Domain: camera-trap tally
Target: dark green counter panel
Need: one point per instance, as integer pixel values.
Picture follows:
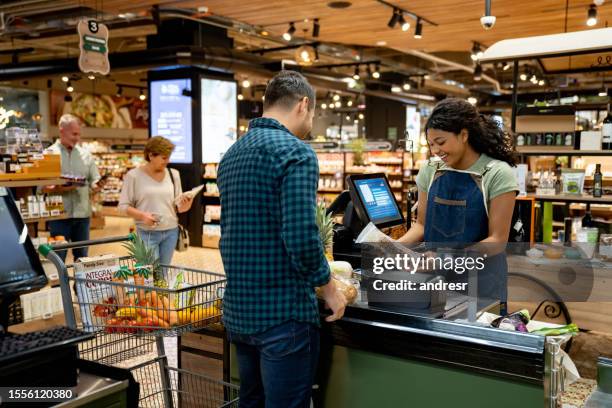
(360, 379)
(363, 379)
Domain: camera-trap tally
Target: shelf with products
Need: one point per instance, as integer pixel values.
(555, 151)
(210, 171)
(113, 162)
(335, 166)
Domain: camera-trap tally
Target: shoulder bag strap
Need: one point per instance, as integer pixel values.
(172, 179)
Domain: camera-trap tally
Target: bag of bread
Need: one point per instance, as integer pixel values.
(345, 286)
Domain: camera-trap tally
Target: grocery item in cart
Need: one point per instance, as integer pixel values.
(94, 298)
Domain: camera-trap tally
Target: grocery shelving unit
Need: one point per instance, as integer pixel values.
(23, 188)
(211, 230)
(336, 165)
(114, 165)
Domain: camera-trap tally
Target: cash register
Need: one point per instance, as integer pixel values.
(369, 198)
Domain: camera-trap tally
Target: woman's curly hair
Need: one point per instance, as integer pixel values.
(484, 134)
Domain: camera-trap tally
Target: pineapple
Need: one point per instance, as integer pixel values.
(326, 229)
(145, 259)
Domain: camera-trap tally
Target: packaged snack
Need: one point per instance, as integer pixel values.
(573, 181)
(516, 321)
(93, 297)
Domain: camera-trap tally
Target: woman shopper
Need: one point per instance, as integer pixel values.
(149, 196)
(466, 192)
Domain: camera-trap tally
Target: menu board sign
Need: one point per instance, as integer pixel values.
(219, 118)
(171, 116)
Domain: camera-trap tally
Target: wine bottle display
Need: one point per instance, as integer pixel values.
(606, 131)
(597, 181)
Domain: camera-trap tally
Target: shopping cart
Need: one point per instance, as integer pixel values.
(130, 317)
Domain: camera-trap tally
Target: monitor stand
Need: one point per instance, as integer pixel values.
(5, 304)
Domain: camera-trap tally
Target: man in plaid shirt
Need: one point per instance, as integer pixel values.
(271, 250)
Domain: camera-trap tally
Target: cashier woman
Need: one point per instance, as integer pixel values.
(466, 191)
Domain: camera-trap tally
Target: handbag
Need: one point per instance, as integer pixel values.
(182, 243)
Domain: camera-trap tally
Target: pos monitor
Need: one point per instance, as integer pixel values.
(374, 201)
(20, 269)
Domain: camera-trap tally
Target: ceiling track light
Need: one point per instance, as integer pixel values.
(142, 95)
(316, 27)
(418, 30)
(603, 91)
(506, 66)
(477, 72)
(288, 35)
(119, 91)
(69, 87)
(592, 15)
(356, 75)
(376, 73)
(394, 18)
(403, 23)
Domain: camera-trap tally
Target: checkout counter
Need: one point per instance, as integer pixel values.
(434, 354)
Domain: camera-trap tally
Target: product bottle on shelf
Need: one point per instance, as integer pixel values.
(587, 220)
(606, 131)
(567, 224)
(597, 181)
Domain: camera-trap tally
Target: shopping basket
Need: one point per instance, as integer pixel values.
(130, 321)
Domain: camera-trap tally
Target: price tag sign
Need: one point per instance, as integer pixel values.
(93, 46)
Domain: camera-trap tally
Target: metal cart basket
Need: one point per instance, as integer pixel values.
(130, 314)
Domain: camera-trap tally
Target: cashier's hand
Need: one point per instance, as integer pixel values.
(184, 203)
(334, 300)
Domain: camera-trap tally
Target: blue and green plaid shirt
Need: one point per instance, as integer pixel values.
(270, 245)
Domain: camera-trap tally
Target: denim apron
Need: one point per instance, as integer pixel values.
(457, 215)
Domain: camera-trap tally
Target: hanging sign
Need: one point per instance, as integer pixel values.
(93, 46)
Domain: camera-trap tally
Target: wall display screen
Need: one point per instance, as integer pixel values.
(219, 118)
(413, 127)
(171, 116)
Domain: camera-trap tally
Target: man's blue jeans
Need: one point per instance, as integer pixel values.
(74, 230)
(277, 367)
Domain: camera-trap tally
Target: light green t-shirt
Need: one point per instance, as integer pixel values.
(499, 179)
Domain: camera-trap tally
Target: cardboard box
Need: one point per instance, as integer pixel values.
(90, 294)
(590, 140)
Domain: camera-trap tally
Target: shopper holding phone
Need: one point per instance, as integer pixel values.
(153, 196)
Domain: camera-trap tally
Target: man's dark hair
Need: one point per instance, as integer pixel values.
(286, 89)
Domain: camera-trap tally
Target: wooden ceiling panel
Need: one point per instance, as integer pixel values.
(365, 22)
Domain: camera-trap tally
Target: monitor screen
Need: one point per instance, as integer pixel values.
(21, 269)
(219, 118)
(170, 107)
(375, 200)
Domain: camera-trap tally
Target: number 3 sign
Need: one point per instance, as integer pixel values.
(93, 44)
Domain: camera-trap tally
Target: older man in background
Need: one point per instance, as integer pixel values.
(76, 161)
